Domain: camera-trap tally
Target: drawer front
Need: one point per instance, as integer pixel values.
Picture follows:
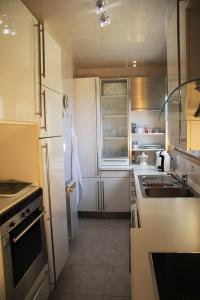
(43, 292)
(115, 174)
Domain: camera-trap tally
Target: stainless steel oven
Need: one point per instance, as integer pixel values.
(23, 245)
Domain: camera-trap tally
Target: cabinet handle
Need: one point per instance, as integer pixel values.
(43, 69)
(50, 210)
(102, 191)
(98, 195)
(38, 25)
(43, 94)
(97, 151)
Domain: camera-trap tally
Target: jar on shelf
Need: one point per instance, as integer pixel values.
(134, 144)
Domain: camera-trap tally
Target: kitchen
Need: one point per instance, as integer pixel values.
(109, 92)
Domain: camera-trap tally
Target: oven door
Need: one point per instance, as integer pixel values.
(24, 254)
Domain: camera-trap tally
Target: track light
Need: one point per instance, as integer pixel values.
(104, 20)
(7, 30)
(100, 6)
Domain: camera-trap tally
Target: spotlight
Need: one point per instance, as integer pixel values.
(100, 6)
(7, 30)
(104, 20)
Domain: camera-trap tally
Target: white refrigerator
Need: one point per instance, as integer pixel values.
(51, 138)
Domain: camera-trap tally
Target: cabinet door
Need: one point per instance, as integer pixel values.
(52, 108)
(55, 205)
(18, 64)
(90, 199)
(51, 67)
(172, 47)
(85, 104)
(115, 194)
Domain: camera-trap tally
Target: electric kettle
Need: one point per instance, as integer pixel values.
(142, 159)
(163, 161)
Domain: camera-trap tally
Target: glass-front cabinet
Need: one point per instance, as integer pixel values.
(114, 122)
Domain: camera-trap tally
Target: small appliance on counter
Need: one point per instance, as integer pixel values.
(163, 161)
(142, 159)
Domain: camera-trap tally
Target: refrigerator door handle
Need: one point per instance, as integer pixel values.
(50, 210)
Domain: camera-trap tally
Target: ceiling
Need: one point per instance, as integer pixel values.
(136, 32)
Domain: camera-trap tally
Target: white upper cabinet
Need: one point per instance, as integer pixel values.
(85, 105)
(51, 70)
(51, 110)
(18, 63)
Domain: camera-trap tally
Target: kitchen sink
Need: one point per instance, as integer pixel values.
(164, 186)
(169, 192)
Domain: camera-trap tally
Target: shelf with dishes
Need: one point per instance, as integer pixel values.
(148, 134)
(147, 149)
(113, 116)
(115, 138)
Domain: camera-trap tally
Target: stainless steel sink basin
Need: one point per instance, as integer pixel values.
(169, 192)
(164, 186)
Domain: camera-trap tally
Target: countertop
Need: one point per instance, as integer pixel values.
(167, 225)
(8, 202)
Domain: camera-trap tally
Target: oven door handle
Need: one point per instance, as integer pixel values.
(18, 237)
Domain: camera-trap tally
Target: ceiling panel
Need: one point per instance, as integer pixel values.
(136, 32)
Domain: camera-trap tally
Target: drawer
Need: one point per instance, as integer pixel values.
(113, 174)
(43, 292)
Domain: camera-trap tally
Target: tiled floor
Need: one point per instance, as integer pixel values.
(98, 265)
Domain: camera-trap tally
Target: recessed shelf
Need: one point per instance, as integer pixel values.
(115, 138)
(114, 116)
(147, 134)
(147, 149)
(114, 96)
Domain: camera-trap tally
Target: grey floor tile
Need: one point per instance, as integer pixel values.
(121, 224)
(117, 282)
(90, 237)
(119, 256)
(120, 237)
(95, 223)
(78, 279)
(94, 256)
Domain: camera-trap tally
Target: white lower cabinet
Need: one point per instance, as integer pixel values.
(90, 198)
(115, 194)
(105, 194)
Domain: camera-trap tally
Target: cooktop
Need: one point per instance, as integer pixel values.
(12, 187)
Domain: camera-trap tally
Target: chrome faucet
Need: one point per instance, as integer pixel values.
(184, 179)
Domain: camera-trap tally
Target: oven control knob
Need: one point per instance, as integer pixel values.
(23, 215)
(28, 211)
(12, 224)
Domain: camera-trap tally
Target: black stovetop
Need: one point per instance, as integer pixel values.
(12, 187)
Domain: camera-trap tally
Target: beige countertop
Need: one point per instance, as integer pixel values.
(8, 202)
(167, 225)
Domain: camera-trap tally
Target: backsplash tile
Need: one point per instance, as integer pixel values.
(184, 166)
